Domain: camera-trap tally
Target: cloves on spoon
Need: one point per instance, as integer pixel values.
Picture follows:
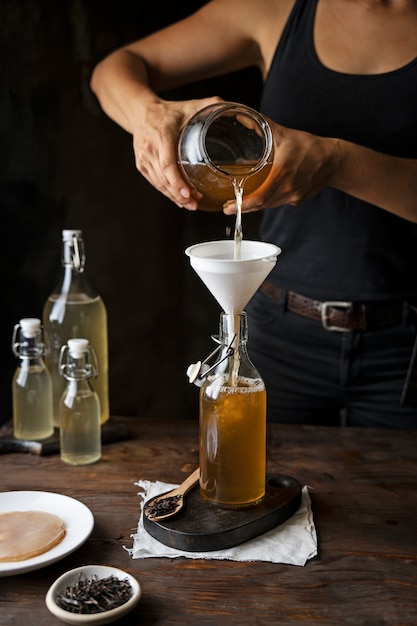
(169, 504)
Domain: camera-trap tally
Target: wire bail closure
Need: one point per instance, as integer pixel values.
(197, 372)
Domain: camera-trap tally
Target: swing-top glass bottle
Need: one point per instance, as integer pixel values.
(74, 309)
(80, 429)
(32, 383)
(232, 422)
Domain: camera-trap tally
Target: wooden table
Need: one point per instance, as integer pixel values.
(364, 499)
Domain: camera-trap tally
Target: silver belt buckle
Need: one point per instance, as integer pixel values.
(336, 304)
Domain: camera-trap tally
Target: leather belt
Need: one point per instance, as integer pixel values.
(339, 315)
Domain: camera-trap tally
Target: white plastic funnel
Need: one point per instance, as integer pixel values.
(233, 282)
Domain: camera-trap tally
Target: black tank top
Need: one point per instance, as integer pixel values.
(336, 247)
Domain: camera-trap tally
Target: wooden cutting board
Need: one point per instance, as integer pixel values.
(202, 527)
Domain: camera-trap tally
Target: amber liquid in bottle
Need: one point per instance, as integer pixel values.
(232, 459)
(233, 426)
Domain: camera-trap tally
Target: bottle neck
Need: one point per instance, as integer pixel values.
(73, 254)
(78, 365)
(31, 348)
(30, 352)
(78, 373)
(77, 369)
(233, 338)
(28, 347)
(75, 386)
(233, 329)
(74, 281)
(73, 278)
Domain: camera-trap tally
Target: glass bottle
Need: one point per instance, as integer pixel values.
(32, 383)
(80, 429)
(225, 146)
(233, 423)
(74, 309)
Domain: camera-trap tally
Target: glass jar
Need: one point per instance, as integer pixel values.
(221, 143)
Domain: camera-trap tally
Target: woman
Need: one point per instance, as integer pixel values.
(332, 329)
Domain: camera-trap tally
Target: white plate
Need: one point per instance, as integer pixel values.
(77, 518)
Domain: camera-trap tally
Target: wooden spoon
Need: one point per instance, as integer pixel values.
(170, 503)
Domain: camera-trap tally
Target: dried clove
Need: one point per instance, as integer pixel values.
(94, 595)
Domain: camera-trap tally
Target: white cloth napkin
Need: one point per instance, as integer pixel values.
(293, 542)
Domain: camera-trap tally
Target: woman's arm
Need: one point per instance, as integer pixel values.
(304, 164)
(223, 36)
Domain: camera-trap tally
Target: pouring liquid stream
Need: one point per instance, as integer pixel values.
(232, 395)
(238, 173)
(238, 185)
(238, 188)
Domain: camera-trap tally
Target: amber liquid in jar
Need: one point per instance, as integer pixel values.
(217, 187)
(232, 444)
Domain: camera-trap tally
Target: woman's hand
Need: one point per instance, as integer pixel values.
(155, 140)
(303, 165)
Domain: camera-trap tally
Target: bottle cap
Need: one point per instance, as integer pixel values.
(68, 234)
(30, 326)
(77, 347)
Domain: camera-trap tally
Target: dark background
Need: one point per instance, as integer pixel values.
(64, 164)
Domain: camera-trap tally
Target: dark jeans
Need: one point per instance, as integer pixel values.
(313, 375)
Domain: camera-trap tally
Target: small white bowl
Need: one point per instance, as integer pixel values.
(72, 577)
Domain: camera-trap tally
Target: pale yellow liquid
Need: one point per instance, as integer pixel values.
(232, 445)
(83, 318)
(217, 188)
(32, 406)
(238, 236)
(80, 430)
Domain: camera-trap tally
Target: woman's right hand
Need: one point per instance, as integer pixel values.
(155, 140)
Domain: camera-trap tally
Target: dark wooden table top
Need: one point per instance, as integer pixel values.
(364, 499)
